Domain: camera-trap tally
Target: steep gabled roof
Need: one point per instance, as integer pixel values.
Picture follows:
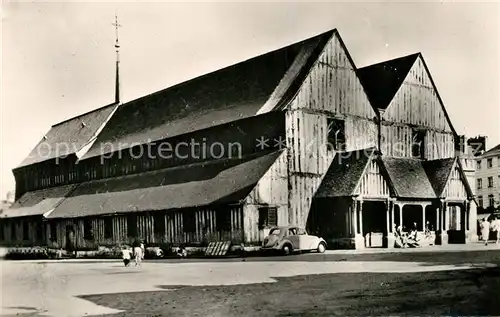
(438, 172)
(408, 178)
(214, 182)
(344, 173)
(70, 136)
(223, 96)
(382, 81)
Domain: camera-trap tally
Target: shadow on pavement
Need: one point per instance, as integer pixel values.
(465, 293)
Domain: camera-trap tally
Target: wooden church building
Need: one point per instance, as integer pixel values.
(297, 136)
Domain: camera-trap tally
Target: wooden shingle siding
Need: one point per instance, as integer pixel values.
(22, 238)
(372, 183)
(455, 187)
(417, 102)
(333, 86)
(396, 142)
(174, 231)
(272, 188)
(332, 89)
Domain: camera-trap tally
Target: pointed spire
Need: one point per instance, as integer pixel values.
(117, 47)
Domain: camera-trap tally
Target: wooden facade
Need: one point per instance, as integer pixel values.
(455, 189)
(332, 89)
(233, 140)
(417, 106)
(373, 184)
(194, 226)
(270, 191)
(321, 114)
(22, 231)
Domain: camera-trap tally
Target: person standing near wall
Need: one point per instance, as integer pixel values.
(137, 253)
(485, 231)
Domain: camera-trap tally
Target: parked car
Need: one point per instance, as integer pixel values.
(291, 239)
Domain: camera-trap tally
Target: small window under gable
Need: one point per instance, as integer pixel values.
(418, 143)
(489, 163)
(336, 134)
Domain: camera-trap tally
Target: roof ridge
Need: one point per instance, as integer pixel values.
(83, 114)
(391, 60)
(185, 82)
(382, 81)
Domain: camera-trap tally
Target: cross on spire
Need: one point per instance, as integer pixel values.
(116, 25)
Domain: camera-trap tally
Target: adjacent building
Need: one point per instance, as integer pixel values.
(297, 136)
(488, 179)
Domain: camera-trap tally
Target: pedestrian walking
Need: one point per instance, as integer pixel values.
(126, 255)
(485, 230)
(138, 254)
(143, 249)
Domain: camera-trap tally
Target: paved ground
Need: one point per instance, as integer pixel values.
(336, 283)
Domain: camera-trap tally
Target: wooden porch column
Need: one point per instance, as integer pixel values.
(467, 215)
(446, 217)
(388, 215)
(463, 217)
(438, 219)
(354, 217)
(361, 217)
(401, 214)
(392, 216)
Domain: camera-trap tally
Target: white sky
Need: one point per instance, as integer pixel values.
(58, 58)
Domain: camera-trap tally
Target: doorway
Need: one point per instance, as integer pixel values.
(374, 223)
(70, 239)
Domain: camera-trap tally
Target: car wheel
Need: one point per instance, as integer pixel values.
(321, 247)
(287, 249)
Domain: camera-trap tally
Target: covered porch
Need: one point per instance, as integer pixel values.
(353, 207)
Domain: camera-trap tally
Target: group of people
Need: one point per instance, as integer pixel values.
(409, 239)
(137, 251)
(487, 226)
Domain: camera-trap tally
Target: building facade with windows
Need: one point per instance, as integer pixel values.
(488, 179)
(298, 136)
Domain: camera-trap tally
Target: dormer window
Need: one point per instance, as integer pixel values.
(336, 134)
(418, 144)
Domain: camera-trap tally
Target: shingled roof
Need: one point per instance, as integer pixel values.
(344, 173)
(195, 185)
(223, 96)
(70, 136)
(381, 81)
(408, 178)
(493, 151)
(438, 172)
(37, 203)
